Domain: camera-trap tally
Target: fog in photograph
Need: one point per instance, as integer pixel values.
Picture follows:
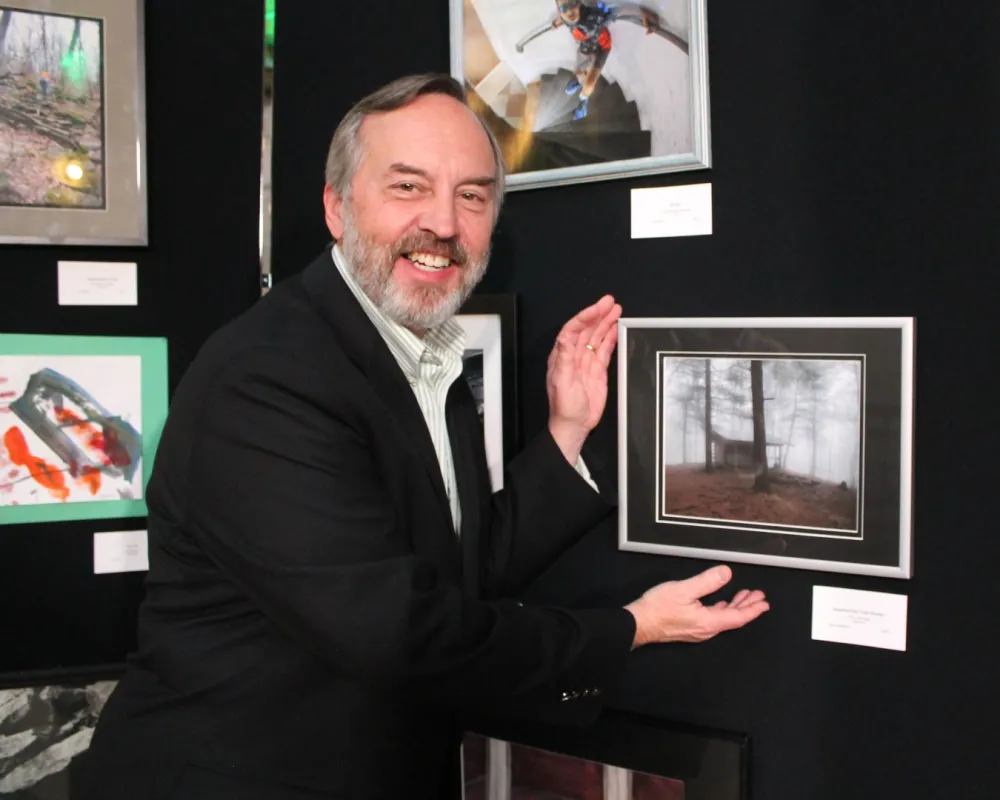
(774, 441)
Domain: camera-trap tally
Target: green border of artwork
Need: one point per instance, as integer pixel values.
(153, 354)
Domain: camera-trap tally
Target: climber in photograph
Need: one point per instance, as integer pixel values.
(588, 24)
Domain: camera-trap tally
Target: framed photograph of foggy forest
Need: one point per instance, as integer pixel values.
(72, 122)
(779, 441)
(490, 368)
(581, 90)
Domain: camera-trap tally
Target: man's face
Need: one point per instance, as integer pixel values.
(569, 11)
(416, 226)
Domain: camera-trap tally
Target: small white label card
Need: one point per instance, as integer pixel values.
(852, 616)
(98, 283)
(672, 211)
(121, 551)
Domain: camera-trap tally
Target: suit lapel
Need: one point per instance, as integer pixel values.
(362, 344)
(389, 382)
(469, 453)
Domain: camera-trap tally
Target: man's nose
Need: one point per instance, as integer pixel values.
(440, 217)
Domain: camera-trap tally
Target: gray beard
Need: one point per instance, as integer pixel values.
(371, 265)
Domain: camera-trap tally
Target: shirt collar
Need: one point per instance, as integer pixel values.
(446, 342)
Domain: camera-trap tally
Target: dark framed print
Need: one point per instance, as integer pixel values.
(623, 756)
(779, 441)
(490, 323)
(587, 90)
(72, 119)
(44, 729)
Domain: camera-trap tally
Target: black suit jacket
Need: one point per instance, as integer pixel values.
(312, 626)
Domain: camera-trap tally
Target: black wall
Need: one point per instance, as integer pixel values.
(855, 149)
(203, 101)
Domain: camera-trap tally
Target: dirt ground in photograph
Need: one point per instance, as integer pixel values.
(728, 494)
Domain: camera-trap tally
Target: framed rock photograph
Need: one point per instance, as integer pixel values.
(779, 441)
(587, 90)
(490, 323)
(623, 756)
(72, 122)
(44, 730)
(80, 419)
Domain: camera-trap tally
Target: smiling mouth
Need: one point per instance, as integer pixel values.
(428, 262)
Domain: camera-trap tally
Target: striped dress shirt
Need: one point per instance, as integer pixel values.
(431, 364)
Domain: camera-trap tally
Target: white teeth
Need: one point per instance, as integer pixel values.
(430, 261)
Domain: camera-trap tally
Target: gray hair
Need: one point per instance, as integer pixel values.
(346, 149)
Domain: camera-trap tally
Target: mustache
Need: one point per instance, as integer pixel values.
(429, 243)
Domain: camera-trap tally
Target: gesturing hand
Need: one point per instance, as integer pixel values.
(577, 375)
(673, 611)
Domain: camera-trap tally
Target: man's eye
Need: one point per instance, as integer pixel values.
(407, 187)
(473, 197)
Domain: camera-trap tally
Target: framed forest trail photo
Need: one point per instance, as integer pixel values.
(587, 90)
(778, 441)
(72, 122)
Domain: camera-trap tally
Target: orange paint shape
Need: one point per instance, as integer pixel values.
(44, 473)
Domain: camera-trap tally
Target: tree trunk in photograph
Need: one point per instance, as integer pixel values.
(791, 426)
(708, 415)
(684, 429)
(4, 25)
(815, 399)
(760, 484)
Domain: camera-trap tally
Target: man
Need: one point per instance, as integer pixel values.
(328, 567)
(589, 25)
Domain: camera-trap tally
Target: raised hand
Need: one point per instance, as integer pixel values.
(673, 611)
(577, 376)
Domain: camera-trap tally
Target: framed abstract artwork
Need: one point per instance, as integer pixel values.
(80, 418)
(587, 90)
(72, 122)
(623, 756)
(780, 441)
(490, 323)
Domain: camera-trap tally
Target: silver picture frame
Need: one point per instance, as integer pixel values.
(519, 71)
(781, 441)
(98, 189)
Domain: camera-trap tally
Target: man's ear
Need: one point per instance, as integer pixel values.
(334, 216)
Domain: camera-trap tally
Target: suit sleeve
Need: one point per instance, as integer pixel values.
(546, 505)
(286, 498)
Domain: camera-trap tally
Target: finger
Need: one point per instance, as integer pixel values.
(704, 583)
(604, 324)
(751, 597)
(563, 357)
(608, 346)
(728, 619)
(721, 604)
(587, 316)
(739, 597)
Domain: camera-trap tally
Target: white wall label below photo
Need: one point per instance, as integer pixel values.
(98, 283)
(852, 616)
(120, 551)
(672, 211)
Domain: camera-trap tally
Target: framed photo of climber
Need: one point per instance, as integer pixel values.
(72, 122)
(778, 441)
(587, 90)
